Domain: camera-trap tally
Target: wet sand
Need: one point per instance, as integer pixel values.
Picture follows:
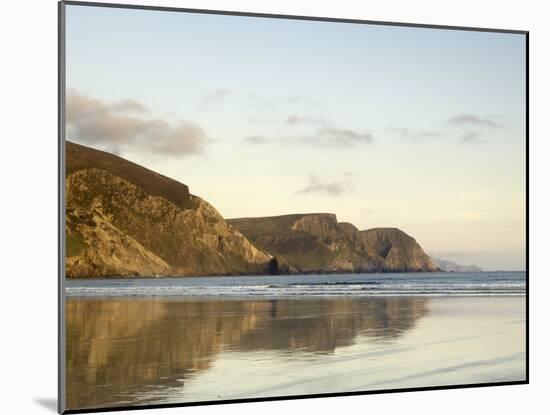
(132, 351)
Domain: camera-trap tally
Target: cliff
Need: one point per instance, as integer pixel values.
(450, 266)
(125, 220)
(394, 250)
(318, 243)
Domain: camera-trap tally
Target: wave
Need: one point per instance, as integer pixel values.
(480, 284)
(293, 291)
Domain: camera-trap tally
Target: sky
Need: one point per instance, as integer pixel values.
(385, 126)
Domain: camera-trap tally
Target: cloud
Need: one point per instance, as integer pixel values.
(469, 119)
(293, 120)
(129, 105)
(117, 127)
(408, 133)
(328, 187)
(341, 137)
(471, 125)
(472, 138)
(323, 134)
(323, 137)
(213, 97)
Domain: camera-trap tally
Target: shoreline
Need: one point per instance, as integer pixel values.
(286, 298)
(164, 277)
(259, 347)
(301, 286)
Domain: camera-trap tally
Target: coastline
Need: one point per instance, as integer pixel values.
(299, 286)
(256, 274)
(250, 274)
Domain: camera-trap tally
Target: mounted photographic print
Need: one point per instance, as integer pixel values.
(258, 207)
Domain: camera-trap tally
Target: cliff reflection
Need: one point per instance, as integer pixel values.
(127, 351)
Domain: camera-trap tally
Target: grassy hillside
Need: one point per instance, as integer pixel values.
(79, 157)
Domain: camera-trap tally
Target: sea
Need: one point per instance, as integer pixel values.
(290, 286)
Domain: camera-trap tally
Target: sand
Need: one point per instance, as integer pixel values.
(136, 351)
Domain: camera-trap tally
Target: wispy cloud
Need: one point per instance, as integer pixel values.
(412, 134)
(293, 120)
(470, 119)
(471, 125)
(323, 137)
(123, 125)
(342, 137)
(472, 138)
(328, 187)
(323, 134)
(129, 105)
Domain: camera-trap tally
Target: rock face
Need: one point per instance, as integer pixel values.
(394, 250)
(125, 220)
(318, 243)
(450, 266)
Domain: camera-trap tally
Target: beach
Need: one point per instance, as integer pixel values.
(154, 350)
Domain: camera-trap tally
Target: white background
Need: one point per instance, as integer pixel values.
(28, 163)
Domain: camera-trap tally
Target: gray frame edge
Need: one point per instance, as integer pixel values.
(61, 347)
(289, 16)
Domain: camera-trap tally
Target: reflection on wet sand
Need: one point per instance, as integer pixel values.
(132, 351)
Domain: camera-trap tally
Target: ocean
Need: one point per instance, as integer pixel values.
(327, 285)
